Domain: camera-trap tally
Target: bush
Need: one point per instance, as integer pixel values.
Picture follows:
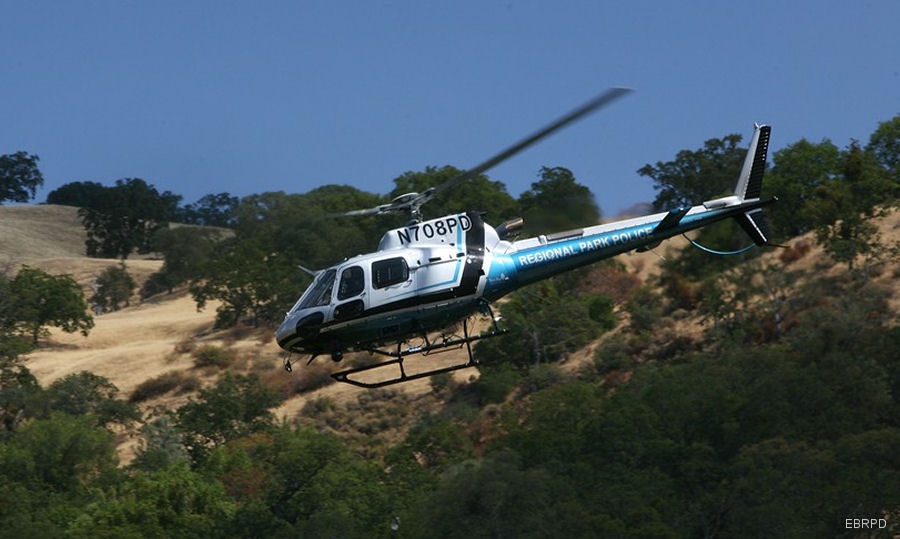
(612, 355)
(113, 287)
(213, 356)
(162, 384)
(441, 382)
(307, 378)
(157, 283)
(600, 310)
(495, 384)
(540, 377)
(645, 307)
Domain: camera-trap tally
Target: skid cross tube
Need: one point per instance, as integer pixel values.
(400, 355)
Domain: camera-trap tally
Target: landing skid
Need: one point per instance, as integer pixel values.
(428, 348)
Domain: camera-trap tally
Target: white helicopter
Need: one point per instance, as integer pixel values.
(428, 276)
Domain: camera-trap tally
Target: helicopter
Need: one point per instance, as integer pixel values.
(435, 274)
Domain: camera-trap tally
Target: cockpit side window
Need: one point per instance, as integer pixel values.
(319, 292)
(388, 272)
(352, 283)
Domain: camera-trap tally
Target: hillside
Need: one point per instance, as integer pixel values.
(157, 336)
(153, 337)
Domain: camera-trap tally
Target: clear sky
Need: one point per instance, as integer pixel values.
(246, 97)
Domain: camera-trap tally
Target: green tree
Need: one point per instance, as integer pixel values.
(19, 390)
(557, 202)
(696, 176)
(842, 208)
(251, 282)
(255, 274)
(186, 251)
(479, 193)
(125, 217)
(19, 177)
(797, 171)
(62, 453)
(160, 445)
(87, 393)
(12, 342)
(113, 287)
(79, 194)
(212, 210)
(884, 146)
(235, 407)
(174, 502)
(545, 324)
(496, 497)
(43, 300)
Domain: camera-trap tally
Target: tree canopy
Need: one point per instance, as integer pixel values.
(19, 177)
(558, 202)
(696, 175)
(123, 218)
(39, 299)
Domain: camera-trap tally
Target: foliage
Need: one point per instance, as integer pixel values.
(254, 275)
(19, 390)
(252, 283)
(60, 453)
(160, 445)
(645, 308)
(798, 170)
(498, 497)
(236, 406)
(612, 355)
(213, 356)
(544, 325)
(165, 503)
(557, 202)
(123, 218)
(86, 393)
(41, 300)
(186, 251)
(162, 384)
(749, 303)
(884, 147)
(211, 210)
(479, 193)
(79, 194)
(19, 177)
(698, 175)
(841, 208)
(113, 287)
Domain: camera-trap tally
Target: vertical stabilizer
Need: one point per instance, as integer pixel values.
(749, 184)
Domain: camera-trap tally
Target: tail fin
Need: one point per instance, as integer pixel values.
(749, 183)
(755, 225)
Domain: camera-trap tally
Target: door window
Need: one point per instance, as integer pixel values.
(352, 283)
(389, 272)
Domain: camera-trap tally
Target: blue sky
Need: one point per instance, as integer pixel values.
(246, 97)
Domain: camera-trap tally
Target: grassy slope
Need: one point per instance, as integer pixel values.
(148, 339)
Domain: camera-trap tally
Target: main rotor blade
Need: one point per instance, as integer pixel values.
(604, 99)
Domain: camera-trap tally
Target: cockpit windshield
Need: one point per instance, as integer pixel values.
(319, 292)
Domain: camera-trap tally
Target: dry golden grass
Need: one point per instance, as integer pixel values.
(44, 231)
(146, 340)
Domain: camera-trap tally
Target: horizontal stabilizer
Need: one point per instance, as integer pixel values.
(672, 219)
(755, 225)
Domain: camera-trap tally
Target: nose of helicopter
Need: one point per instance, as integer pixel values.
(297, 327)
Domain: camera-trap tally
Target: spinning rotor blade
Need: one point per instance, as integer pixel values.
(368, 211)
(412, 201)
(604, 99)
